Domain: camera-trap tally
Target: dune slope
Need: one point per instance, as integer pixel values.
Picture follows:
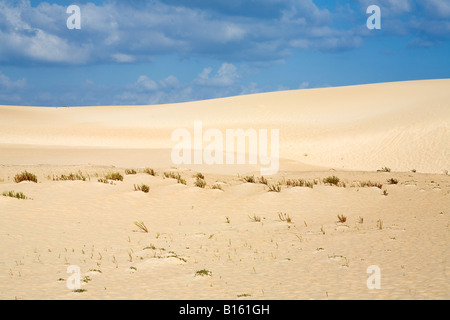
(403, 125)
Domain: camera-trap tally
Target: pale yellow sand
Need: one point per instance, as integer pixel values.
(348, 132)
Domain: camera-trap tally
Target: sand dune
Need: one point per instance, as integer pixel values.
(402, 125)
(236, 234)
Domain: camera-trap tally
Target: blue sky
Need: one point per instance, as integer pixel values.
(153, 52)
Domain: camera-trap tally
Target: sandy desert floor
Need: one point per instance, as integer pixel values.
(234, 234)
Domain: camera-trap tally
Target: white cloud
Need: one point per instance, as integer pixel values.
(146, 84)
(11, 91)
(123, 58)
(437, 8)
(225, 76)
(304, 85)
(7, 83)
(128, 32)
(169, 82)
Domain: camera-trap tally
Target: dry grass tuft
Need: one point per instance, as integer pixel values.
(25, 176)
(199, 176)
(274, 188)
(380, 224)
(370, 184)
(249, 179)
(150, 171)
(177, 176)
(300, 183)
(116, 176)
(392, 181)
(201, 183)
(342, 218)
(142, 187)
(332, 180)
(255, 218)
(71, 177)
(13, 194)
(217, 186)
(141, 226)
(262, 180)
(284, 217)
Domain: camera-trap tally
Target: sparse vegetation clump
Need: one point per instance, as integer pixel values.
(79, 290)
(71, 177)
(380, 224)
(141, 226)
(385, 169)
(150, 171)
(385, 193)
(217, 186)
(199, 176)
(177, 176)
(262, 180)
(130, 171)
(203, 273)
(106, 181)
(199, 182)
(284, 217)
(342, 218)
(13, 194)
(142, 187)
(249, 179)
(332, 180)
(255, 218)
(274, 188)
(392, 181)
(116, 176)
(25, 176)
(300, 183)
(370, 184)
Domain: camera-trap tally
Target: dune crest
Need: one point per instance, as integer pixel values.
(402, 125)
